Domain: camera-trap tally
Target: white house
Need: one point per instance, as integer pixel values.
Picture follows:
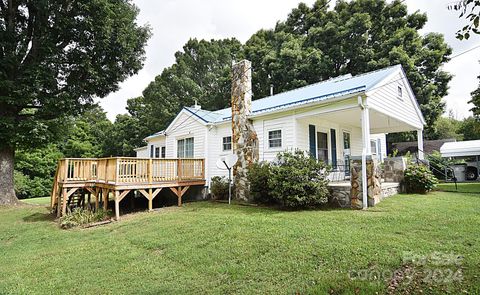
(333, 120)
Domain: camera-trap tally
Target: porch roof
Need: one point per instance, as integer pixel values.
(324, 90)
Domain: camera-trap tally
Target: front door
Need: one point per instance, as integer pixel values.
(346, 152)
(322, 147)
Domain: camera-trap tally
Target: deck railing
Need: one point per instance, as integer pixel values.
(123, 170)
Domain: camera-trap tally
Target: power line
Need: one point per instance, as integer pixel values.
(466, 51)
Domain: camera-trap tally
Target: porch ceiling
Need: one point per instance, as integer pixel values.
(379, 122)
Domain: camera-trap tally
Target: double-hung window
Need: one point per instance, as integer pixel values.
(163, 152)
(275, 139)
(227, 143)
(185, 148)
(157, 152)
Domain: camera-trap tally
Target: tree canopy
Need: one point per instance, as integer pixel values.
(201, 73)
(313, 44)
(55, 57)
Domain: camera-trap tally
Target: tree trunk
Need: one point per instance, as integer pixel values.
(7, 191)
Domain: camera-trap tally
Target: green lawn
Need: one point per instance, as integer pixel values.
(465, 187)
(37, 201)
(216, 248)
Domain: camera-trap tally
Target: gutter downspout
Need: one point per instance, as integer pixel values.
(365, 114)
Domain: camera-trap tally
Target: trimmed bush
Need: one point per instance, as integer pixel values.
(219, 187)
(298, 181)
(419, 179)
(79, 217)
(258, 175)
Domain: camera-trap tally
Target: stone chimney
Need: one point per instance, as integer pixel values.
(244, 137)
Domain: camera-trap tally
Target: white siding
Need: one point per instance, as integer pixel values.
(386, 100)
(215, 149)
(142, 152)
(186, 126)
(286, 124)
(155, 142)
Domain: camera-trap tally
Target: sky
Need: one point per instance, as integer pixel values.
(173, 22)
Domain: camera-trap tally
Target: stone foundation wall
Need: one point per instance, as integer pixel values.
(339, 196)
(393, 169)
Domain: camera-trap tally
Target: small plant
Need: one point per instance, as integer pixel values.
(258, 175)
(298, 181)
(419, 179)
(79, 217)
(219, 187)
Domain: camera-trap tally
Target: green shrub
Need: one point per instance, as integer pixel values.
(258, 175)
(298, 181)
(419, 179)
(219, 187)
(79, 217)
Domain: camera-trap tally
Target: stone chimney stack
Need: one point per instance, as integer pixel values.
(244, 137)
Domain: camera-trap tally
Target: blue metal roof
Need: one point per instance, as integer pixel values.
(335, 87)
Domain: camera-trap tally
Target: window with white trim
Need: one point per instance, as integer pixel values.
(157, 152)
(227, 143)
(163, 153)
(185, 148)
(275, 139)
(152, 149)
(373, 146)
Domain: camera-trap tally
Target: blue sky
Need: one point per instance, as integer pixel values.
(174, 22)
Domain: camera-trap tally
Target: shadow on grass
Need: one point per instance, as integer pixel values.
(39, 217)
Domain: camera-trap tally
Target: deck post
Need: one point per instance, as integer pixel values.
(150, 171)
(105, 198)
(117, 205)
(150, 200)
(179, 196)
(64, 201)
(179, 169)
(96, 199)
(59, 198)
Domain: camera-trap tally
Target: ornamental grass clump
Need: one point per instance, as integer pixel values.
(419, 179)
(82, 217)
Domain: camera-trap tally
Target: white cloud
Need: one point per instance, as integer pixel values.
(174, 22)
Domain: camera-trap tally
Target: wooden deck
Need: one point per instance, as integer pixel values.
(119, 176)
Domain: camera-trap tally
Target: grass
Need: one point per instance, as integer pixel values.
(216, 248)
(37, 201)
(465, 187)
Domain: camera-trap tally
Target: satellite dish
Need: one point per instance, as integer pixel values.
(227, 162)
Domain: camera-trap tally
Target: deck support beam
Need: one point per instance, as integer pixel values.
(179, 192)
(105, 193)
(117, 205)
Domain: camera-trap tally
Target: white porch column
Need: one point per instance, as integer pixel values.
(420, 144)
(366, 149)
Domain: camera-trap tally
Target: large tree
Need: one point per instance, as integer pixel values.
(55, 56)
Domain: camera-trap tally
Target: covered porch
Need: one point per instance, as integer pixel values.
(352, 130)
